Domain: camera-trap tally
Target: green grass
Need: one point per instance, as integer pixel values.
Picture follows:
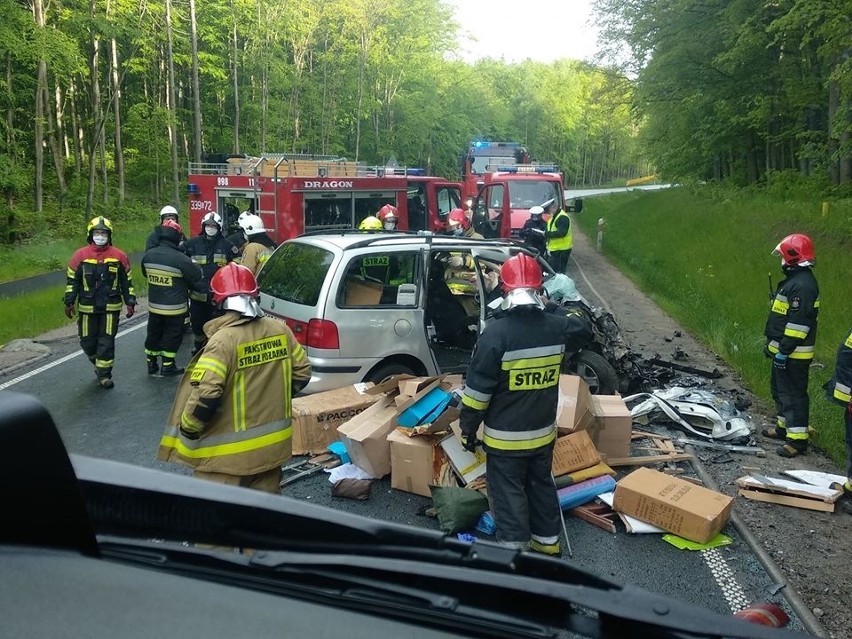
(43, 254)
(703, 254)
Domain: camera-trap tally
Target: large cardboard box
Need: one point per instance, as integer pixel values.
(612, 426)
(574, 452)
(365, 437)
(678, 506)
(316, 417)
(574, 410)
(362, 293)
(415, 462)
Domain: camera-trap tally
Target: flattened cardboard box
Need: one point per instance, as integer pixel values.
(574, 410)
(316, 417)
(675, 505)
(415, 462)
(574, 452)
(788, 493)
(365, 437)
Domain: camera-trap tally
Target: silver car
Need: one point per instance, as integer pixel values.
(369, 305)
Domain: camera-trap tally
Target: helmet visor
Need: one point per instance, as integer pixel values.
(521, 297)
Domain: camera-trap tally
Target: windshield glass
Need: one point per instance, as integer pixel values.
(302, 284)
(524, 194)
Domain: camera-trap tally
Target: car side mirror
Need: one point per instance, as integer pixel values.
(575, 205)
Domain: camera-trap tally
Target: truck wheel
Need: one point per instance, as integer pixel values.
(384, 371)
(595, 370)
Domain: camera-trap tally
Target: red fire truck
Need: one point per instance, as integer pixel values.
(295, 194)
(500, 176)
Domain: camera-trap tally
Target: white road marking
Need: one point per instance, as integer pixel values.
(724, 576)
(62, 360)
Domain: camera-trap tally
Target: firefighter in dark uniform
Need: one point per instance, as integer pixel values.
(172, 279)
(790, 337)
(98, 280)
(512, 386)
(839, 391)
(211, 251)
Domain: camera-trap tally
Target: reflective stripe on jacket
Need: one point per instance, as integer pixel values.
(792, 324)
(245, 372)
(839, 387)
(512, 382)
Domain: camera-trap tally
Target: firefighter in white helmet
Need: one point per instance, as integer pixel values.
(258, 246)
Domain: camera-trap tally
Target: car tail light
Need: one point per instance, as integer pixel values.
(322, 334)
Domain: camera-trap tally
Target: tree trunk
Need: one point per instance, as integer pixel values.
(10, 139)
(97, 123)
(236, 87)
(53, 140)
(38, 129)
(833, 106)
(173, 142)
(197, 143)
(116, 111)
(76, 129)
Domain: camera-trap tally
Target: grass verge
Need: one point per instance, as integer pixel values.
(704, 255)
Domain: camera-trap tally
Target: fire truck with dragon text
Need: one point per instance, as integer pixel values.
(295, 193)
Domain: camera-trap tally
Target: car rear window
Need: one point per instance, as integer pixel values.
(295, 273)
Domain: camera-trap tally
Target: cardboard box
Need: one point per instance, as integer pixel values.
(574, 452)
(316, 417)
(362, 293)
(612, 426)
(410, 387)
(415, 462)
(675, 505)
(365, 437)
(574, 410)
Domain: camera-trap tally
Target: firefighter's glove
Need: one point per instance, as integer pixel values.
(779, 361)
(470, 442)
(69, 311)
(193, 435)
(130, 311)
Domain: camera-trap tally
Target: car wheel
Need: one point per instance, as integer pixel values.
(380, 374)
(595, 370)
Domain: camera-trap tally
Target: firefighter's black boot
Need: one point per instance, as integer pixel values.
(153, 367)
(170, 369)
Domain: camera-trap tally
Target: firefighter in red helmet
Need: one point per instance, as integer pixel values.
(459, 224)
(231, 418)
(790, 337)
(389, 217)
(512, 386)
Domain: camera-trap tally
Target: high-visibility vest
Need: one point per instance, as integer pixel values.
(560, 243)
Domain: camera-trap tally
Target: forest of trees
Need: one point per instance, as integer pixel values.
(106, 102)
(739, 89)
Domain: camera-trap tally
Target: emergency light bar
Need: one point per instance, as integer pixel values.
(528, 168)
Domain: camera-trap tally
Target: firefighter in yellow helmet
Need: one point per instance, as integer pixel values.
(98, 281)
(231, 418)
(370, 223)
